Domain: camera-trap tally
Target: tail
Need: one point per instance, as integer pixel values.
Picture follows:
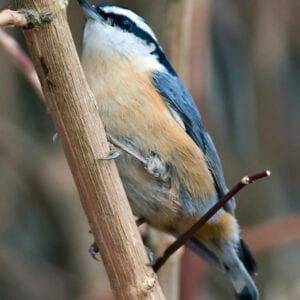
(237, 263)
(240, 269)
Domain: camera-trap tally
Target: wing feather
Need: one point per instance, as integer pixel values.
(178, 99)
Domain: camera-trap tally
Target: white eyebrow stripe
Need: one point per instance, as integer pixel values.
(140, 22)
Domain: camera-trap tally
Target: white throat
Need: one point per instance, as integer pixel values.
(102, 41)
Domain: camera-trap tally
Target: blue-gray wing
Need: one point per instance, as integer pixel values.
(178, 99)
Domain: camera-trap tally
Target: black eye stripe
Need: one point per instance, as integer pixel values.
(101, 13)
(128, 25)
(116, 20)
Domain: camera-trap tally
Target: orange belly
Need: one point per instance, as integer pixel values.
(132, 110)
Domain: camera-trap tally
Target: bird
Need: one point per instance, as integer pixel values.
(168, 163)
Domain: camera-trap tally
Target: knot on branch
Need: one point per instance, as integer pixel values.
(148, 285)
(245, 180)
(34, 19)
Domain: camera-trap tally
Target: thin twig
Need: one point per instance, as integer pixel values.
(21, 60)
(190, 232)
(16, 54)
(12, 18)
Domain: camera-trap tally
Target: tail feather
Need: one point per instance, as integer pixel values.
(247, 259)
(237, 263)
(246, 295)
(241, 280)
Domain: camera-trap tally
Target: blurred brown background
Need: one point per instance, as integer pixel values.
(244, 73)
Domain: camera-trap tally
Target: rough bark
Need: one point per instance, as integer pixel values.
(74, 112)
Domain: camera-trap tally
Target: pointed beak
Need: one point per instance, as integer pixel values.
(89, 10)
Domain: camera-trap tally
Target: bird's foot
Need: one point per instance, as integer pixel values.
(94, 251)
(113, 154)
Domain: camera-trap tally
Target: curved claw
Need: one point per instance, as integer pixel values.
(113, 155)
(54, 137)
(151, 256)
(94, 251)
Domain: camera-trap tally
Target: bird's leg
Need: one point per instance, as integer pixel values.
(113, 154)
(154, 164)
(126, 149)
(151, 256)
(54, 137)
(94, 250)
(158, 167)
(145, 237)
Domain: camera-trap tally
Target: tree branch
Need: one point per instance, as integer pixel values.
(74, 112)
(189, 233)
(20, 60)
(12, 18)
(14, 51)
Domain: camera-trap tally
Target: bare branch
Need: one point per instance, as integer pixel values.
(16, 54)
(20, 60)
(73, 109)
(12, 18)
(189, 233)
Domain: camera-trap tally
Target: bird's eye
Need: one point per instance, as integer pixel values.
(127, 25)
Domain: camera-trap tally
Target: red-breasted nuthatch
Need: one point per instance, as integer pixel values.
(168, 164)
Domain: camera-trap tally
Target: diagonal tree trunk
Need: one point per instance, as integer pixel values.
(74, 112)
